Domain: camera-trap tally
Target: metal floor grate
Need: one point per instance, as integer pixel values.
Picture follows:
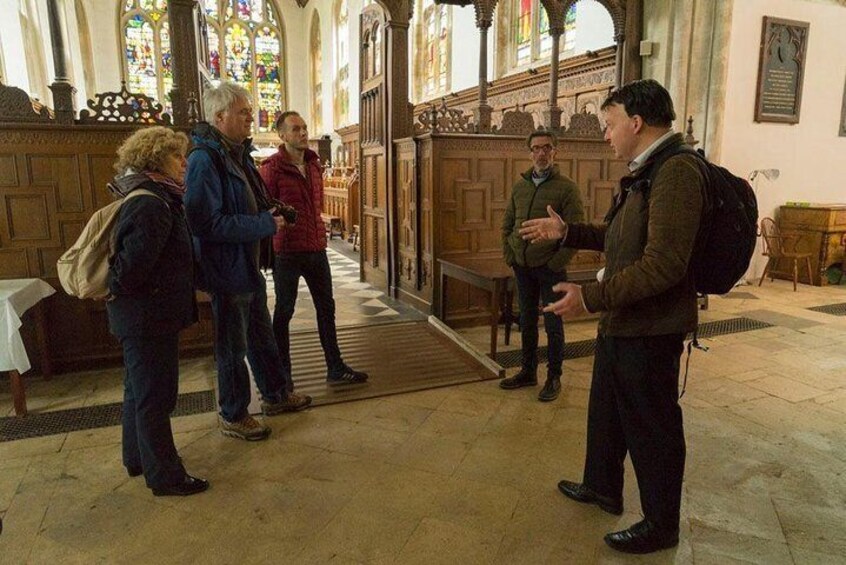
(63, 421)
(586, 348)
(833, 309)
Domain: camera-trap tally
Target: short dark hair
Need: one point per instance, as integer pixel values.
(541, 133)
(280, 120)
(647, 99)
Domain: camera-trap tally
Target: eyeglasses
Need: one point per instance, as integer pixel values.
(542, 148)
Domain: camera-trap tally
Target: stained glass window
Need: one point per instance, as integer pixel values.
(435, 63)
(342, 63)
(530, 40)
(316, 73)
(246, 46)
(146, 44)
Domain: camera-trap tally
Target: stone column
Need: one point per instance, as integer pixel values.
(186, 73)
(63, 90)
(633, 64)
(554, 111)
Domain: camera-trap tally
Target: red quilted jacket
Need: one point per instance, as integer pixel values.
(285, 183)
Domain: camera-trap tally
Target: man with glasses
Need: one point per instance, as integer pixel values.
(539, 267)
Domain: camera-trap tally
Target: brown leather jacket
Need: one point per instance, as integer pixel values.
(647, 288)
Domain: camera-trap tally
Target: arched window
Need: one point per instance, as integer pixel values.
(528, 42)
(316, 74)
(145, 37)
(342, 63)
(246, 46)
(433, 52)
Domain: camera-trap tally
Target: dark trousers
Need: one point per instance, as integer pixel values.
(151, 385)
(634, 408)
(534, 284)
(242, 329)
(314, 268)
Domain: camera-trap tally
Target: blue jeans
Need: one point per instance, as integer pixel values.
(533, 284)
(150, 389)
(243, 329)
(314, 268)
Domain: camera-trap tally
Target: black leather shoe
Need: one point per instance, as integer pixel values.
(550, 390)
(643, 537)
(580, 493)
(134, 471)
(189, 485)
(521, 379)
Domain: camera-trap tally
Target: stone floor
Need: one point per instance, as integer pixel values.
(464, 474)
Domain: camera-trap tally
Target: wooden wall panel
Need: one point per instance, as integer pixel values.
(51, 181)
(465, 185)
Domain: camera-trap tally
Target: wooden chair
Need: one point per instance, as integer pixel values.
(776, 248)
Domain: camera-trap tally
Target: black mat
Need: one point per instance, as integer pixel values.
(585, 348)
(833, 309)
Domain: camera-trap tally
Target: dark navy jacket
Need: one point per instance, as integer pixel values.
(151, 274)
(225, 233)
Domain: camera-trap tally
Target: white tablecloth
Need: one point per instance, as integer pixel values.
(16, 297)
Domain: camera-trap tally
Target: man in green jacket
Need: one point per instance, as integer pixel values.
(647, 305)
(537, 268)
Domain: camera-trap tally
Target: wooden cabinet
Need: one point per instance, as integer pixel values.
(822, 228)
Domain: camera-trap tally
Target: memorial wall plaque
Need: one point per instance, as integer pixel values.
(780, 70)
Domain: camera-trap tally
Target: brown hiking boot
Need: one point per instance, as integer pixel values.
(292, 402)
(247, 428)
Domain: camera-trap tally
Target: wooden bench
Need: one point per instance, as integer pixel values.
(334, 226)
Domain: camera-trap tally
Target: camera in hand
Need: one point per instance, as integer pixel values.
(278, 208)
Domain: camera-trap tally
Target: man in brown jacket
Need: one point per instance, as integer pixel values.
(647, 305)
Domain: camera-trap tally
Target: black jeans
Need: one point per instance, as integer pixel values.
(151, 386)
(634, 408)
(534, 283)
(314, 268)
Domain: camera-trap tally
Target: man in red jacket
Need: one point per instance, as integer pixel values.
(293, 175)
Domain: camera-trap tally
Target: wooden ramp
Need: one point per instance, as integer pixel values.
(400, 357)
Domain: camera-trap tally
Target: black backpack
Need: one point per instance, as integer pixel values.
(728, 229)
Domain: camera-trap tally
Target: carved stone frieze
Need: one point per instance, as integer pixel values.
(555, 12)
(123, 107)
(17, 107)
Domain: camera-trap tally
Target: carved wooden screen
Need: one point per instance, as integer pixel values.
(374, 172)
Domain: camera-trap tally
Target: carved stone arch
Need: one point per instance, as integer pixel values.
(397, 11)
(555, 12)
(616, 8)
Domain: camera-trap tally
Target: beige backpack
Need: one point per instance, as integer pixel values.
(84, 267)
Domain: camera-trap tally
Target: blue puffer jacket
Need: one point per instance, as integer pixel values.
(225, 233)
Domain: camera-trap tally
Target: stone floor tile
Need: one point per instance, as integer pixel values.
(438, 541)
(743, 514)
(815, 528)
(803, 556)
(787, 389)
(431, 453)
(395, 417)
(717, 547)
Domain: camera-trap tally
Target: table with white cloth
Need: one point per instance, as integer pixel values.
(16, 297)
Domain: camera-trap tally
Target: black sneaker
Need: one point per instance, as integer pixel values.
(521, 379)
(550, 389)
(349, 376)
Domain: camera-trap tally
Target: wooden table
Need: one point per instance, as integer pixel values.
(16, 297)
(493, 275)
(488, 273)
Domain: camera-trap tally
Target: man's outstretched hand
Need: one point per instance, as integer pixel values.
(571, 304)
(544, 229)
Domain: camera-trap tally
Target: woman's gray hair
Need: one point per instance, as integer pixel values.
(220, 98)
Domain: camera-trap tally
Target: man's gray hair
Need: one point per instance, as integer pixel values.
(220, 98)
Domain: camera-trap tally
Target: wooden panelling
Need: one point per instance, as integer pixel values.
(51, 181)
(465, 184)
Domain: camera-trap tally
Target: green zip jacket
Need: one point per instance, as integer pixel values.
(647, 288)
(528, 202)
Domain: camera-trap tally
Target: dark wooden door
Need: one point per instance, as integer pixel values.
(375, 202)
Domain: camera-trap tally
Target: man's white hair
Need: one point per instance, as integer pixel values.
(221, 98)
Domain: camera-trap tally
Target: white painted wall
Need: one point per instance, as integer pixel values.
(810, 155)
(104, 26)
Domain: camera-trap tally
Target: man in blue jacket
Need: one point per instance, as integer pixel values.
(226, 206)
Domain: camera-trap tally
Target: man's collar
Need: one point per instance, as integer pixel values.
(639, 161)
